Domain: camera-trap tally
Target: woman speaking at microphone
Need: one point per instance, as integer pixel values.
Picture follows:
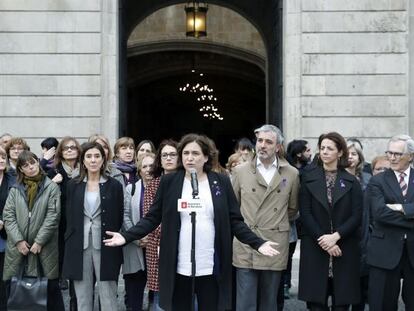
(217, 222)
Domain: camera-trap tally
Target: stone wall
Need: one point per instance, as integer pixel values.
(56, 68)
(346, 69)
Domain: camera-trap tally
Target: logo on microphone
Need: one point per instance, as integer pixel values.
(183, 204)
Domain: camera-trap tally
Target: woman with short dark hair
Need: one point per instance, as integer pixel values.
(330, 202)
(165, 163)
(31, 218)
(145, 146)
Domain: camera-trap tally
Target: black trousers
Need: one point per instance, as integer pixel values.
(54, 295)
(206, 290)
(384, 286)
(324, 307)
(134, 289)
(3, 297)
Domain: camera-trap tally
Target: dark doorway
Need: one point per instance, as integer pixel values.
(157, 108)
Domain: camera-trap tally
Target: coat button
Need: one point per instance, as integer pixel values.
(253, 189)
(103, 224)
(278, 190)
(103, 198)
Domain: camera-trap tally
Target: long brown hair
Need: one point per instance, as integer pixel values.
(157, 169)
(59, 150)
(340, 144)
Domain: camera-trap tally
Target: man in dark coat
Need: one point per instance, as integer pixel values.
(391, 244)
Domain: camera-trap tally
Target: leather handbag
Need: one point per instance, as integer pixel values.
(28, 292)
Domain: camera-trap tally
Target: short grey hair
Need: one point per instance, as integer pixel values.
(273, 129)
(409, 142)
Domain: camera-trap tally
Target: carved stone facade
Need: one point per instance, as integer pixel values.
(346, 65)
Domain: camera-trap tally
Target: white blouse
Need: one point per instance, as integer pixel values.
(205, 232)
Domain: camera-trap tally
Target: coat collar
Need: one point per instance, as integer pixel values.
(277, 178)
(316, 181)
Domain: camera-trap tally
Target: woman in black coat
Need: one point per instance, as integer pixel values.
(65, 163)
(94, 205)
(330, 206)
(213, 285)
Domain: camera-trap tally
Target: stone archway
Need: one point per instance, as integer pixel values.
(267, 18)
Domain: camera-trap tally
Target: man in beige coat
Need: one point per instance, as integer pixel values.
(267, 189)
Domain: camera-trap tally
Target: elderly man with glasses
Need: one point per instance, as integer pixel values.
(391, 244)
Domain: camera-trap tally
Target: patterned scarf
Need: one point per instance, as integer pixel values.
(125, 167)
(32, 185)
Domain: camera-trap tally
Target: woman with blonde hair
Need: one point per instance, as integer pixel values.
(133, 268)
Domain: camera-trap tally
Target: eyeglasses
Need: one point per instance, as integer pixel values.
(396, 155)
(66, 148)
(172, 155)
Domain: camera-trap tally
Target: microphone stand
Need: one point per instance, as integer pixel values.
(193, 260)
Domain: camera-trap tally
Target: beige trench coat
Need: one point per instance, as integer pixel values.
(267, 210)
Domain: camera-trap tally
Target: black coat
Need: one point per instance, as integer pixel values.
(227, 222)
(317, 217)
(112, 198)
(51, 173)
(9, 180)
(386, 242)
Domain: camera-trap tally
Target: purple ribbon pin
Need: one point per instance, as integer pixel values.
(216, 188)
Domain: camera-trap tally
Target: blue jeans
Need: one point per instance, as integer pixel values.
(257, 289)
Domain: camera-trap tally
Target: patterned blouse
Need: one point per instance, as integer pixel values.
(330, 184)
(153, 238)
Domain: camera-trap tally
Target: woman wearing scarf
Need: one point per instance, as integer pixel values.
(6, 182)
(31, 218)
(124, 160)
(65, 168)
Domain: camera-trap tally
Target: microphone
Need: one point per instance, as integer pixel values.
(194, 181)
